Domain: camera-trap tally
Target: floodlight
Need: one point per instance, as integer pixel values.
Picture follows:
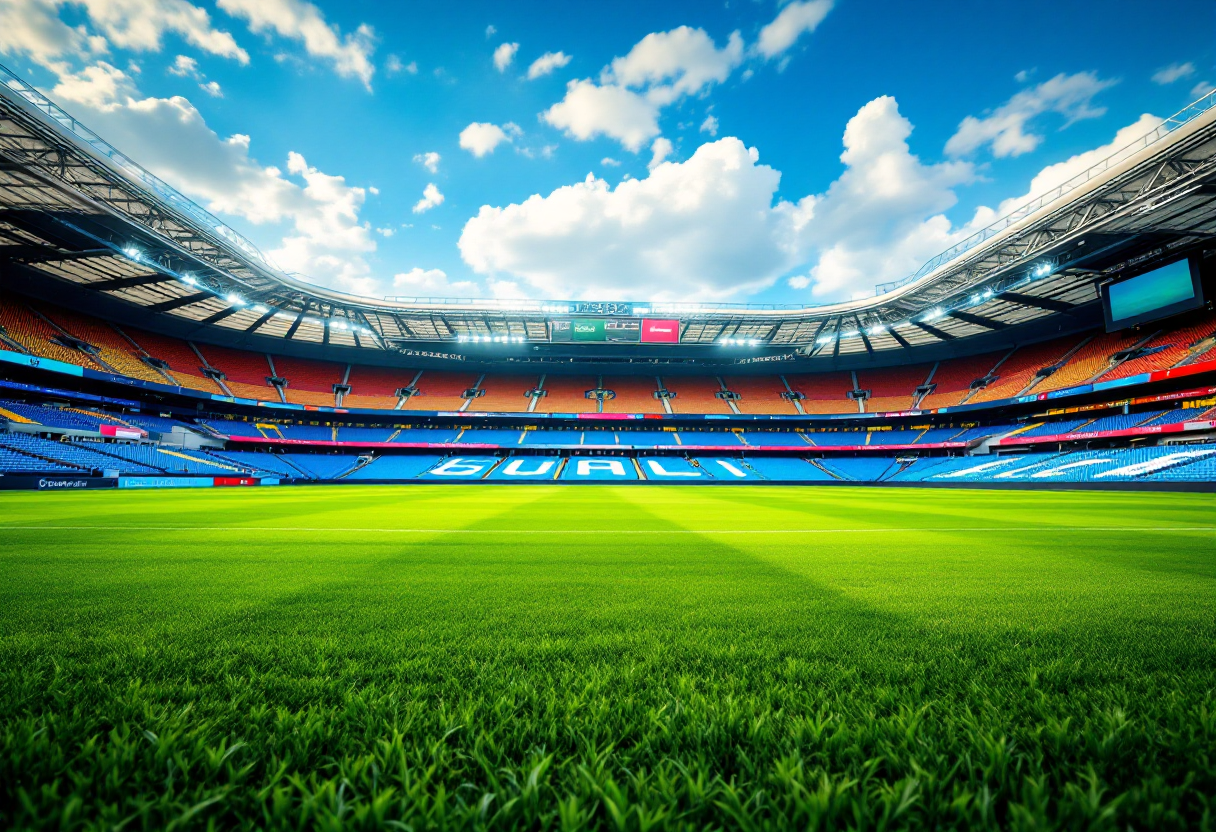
(235, 300)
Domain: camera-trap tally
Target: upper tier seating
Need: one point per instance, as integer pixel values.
(862, 469)
(357, 434)
(892, 389)
(1090, 361)
(824, 392)
(636, 438)
(696, 394)
(34, 334)
(760, 394)
(567, 394)
(761, 438)
(788, 469)
(184, 366)
(438, 390)
(1172, 345)
(395, 468)
(245, 372)
(1018, 370)
(505, 393)
(114, 350)
(309, 382)
(491, 436)
(322, 466)
(953, 379)
(375, 388)
(634, 394)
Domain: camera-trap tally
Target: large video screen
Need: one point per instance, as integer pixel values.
(1164, 291)
(614, 330)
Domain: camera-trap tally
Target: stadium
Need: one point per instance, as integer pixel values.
(938, 555)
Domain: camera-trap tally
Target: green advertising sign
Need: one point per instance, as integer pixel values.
(588, 329)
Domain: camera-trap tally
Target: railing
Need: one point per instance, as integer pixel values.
(12, 85)
(1169, 125)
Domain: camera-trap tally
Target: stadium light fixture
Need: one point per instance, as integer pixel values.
(261, 310)
(132, 253)
(1042, 270)
(337, 324)
(190, 279)
(877, 330)
(235, 300)
(849, 333)
(825, 339)
(933, 315)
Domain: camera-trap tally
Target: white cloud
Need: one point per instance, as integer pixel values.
(882, 218)
(480, 138)
(1057, 174)
(313, 215)
(659, 70)
(659, 151)
(710, 125)
(795, 20)
(1005, 127)
(670, 65)
(430, 198)
(589, 110)
(141, 24)
(185, 67)
(385, 232)
(1173, 72)
(350, 54)
(609, 162)
(1202, 88)
(212, 88)
(33, 28)
(800, 281)
(429, 160)
(504, 55)
(393, 65)
(546, 64)
(433, 283)
(708, 227)
(491, 31)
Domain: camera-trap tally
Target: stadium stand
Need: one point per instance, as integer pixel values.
(760, 394)
(184, 365)
(716, 438)
(567, 394)
(1093, 359)
(258, 462)
(552, 437)
(696, 395)
(394, 468)
(638, 438)
(1165, 349)
(892, 389)
(375, 388)
(364, 434)
(311, 433)
(245, 372)
(426, 435)
(634, 394)
(952, 379)
(322, 466)
(491, 436)
(113, 350)
(440, 391)
(526, 468)
(762, 438)
(309, 382)
(860, 469)
(599, 469)
(824, 392)
(505, 394)
(36, 335)
(1019, 369)
(787, 469)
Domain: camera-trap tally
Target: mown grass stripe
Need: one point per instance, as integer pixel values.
(373, 529)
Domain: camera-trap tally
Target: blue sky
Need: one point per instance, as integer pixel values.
(750, 150)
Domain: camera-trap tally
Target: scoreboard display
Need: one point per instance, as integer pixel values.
(614, 330)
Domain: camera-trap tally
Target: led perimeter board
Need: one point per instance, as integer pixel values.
(1152, 295)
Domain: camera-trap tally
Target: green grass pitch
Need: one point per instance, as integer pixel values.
(623, 658)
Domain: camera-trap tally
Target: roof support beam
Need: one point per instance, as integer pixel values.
(46, 254)
(291, 330)
(219, 316)
(898, 338)
(127, 282)
(978, 320)
(178, 303)
(270, 313)
(934, 331)
(1038, 303)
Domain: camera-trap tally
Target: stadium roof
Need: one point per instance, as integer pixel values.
(75, 209)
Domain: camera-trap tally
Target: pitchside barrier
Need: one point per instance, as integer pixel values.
(67, 482)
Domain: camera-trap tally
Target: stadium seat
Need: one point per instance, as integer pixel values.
(568, 394)
(438, 390)
(515, 469)
(953, 378)
(892, 389)
(599, 469)
(824, 392)
(760, 394)
(634, 394)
